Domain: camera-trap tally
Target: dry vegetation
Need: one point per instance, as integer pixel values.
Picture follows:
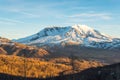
(29, 67)
(39, 63)
(39, 68)
(18, 49)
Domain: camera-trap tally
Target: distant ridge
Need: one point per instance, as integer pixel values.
(7, 47)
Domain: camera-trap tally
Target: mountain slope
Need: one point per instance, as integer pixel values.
(8, 47)
(81, 35)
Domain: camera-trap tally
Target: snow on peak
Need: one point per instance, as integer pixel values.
(86, 31)
(55, 29)
(83, 28)
(51, 31)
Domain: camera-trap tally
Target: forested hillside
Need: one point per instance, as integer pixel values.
(39, 68)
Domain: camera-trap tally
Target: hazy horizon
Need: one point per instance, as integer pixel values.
(21, 18)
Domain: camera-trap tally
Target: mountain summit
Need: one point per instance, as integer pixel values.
(81, 35)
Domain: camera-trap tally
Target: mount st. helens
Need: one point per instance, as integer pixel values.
(80, 35)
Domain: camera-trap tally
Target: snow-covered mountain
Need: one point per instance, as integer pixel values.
(81, 35)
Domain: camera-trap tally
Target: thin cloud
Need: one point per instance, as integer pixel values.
(29, 14)
(92, 15)
(36, 11)
(80, 20)
(10, 20)
(22, 11)
(6, 22)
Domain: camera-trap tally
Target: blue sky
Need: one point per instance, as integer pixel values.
(20, 18)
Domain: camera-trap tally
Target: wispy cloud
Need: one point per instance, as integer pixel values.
(36, 9)
(6, 22)
(21, 11)
(10, 21)
(29, 14)
(92, 15)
